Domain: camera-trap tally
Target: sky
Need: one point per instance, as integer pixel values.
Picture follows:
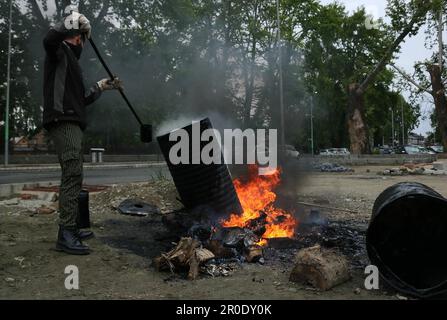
(413, 50)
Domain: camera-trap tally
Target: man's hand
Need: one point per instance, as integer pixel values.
(107, 84)
(84, 26)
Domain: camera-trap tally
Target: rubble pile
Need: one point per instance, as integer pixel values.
(416, 169)
(33, 204)
(331, 167)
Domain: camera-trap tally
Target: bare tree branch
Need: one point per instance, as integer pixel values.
(411, 80)
(422, 11)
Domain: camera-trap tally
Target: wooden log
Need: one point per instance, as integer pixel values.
(320, 268)
(177, 257)
(186, 254)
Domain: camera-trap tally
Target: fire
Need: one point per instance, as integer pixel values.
(257, 197)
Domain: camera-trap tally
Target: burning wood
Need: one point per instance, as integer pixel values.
(321, 268)
(235, 237)
(260, 215)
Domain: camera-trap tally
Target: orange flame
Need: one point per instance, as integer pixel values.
(256, 196)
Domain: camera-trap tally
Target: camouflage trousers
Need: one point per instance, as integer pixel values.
(67, 138)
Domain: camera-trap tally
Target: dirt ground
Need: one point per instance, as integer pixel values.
(120, 265)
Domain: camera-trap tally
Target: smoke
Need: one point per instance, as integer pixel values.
(175, 123)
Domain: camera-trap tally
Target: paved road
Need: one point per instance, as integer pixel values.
(91, 176)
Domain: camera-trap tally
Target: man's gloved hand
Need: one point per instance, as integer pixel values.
(108, 84)
(84, 26)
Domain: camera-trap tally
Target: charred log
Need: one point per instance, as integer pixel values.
(257, 226)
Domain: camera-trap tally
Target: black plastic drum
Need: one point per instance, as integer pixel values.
(407, 239)
(202, 184)
(83, 220)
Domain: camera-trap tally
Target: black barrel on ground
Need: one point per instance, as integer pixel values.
(407, 238)
(83, 218)
(202, 184)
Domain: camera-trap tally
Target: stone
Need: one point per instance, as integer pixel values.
(45, 210)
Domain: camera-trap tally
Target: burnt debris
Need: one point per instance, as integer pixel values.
(137, 207)
(232, 246)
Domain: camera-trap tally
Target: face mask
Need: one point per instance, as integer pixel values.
(77, 50)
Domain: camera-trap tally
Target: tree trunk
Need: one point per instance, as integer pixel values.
(440, 101)
(358, 131)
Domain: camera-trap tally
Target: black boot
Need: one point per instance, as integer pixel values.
(68, 241)
(84, 235)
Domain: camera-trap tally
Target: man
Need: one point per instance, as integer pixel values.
(64, 116)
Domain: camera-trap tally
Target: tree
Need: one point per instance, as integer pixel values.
(415, 13)
(434, 84)
(24, 103)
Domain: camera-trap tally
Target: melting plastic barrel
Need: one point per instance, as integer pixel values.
(407, 239)
(202, 184)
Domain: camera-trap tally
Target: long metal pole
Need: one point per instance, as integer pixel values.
(312, 125)
(392, 126)
(8, 83)
(403, 122)
(440, 41)
(95, 48)
(281, 97)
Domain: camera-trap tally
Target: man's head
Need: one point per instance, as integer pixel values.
(76, 40)
(76, 44)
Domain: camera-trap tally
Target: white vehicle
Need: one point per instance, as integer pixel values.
(324, 152)
(425, 150)
(437, 148)
(335, 152)
(343, 151)
(411, 149)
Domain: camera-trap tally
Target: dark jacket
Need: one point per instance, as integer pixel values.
(65, 97)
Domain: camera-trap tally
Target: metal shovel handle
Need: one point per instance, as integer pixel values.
(112, 77)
